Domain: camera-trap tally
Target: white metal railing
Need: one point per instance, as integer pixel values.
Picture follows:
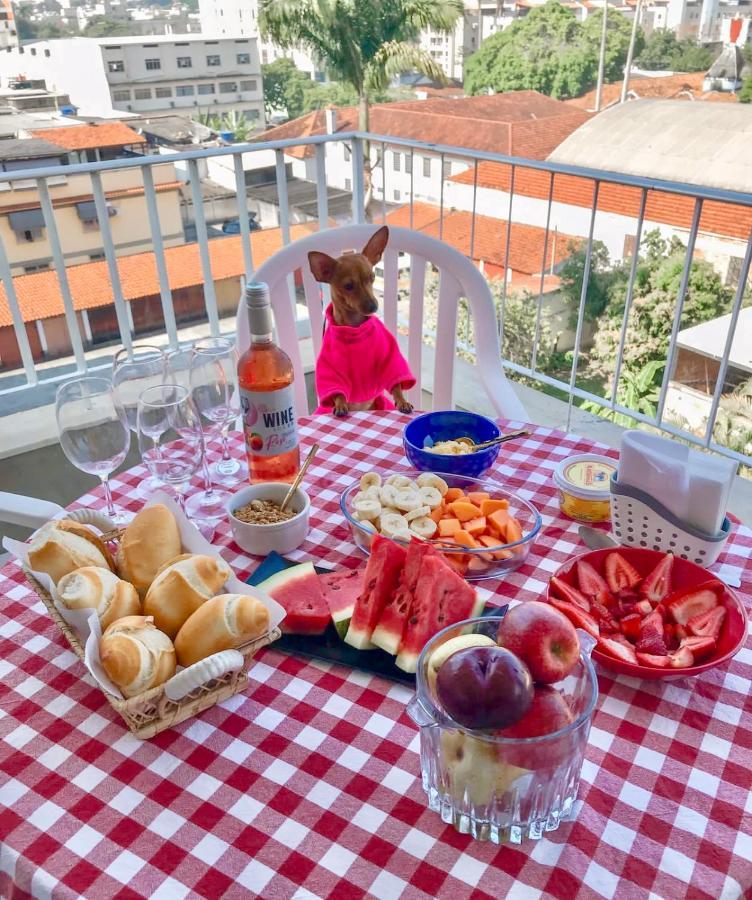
(43, 178)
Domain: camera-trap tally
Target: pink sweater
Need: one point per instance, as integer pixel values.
(360, 363)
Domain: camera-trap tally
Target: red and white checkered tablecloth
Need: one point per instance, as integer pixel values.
(308, 784)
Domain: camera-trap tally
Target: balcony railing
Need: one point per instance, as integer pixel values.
(338, 160)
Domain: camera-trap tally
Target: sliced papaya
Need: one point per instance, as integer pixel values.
(453, 494)
(465, 539)
(449, 527)
(490, 506)
(514, 532)
(464, 510)
(476, 526)
(498, 521)
(486, 540)
(438, 514)
(477, 497)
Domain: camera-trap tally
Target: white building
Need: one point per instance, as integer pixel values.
(239, 18)
(8, 33)
(147, 74)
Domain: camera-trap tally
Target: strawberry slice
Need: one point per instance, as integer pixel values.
(591, 583)
(630, 626)
(620, 574)
(700, 646)
(617, 650)
(604, 618)
(649, 659)
(670, 637)
(652, 624)
(577, 616)
(691, 602)
(570, 593)
(652, 643)
(681, 658)
(657, 585)
(644, 607)
(707, 624)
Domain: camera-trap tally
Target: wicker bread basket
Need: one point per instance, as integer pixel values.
(213, 679)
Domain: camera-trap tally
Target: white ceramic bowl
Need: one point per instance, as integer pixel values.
(280, 536)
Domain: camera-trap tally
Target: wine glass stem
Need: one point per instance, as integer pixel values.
(180, 497)
(108, 496)
(225, 443)
(208, 486)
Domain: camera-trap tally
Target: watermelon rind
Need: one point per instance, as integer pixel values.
(340, 617)
(307, 611)
(388, 631)
(286, 575)
(379, 582)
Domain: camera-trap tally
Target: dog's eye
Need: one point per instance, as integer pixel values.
(349, 285)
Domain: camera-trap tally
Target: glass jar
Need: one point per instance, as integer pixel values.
(495, 788)
(583, 482)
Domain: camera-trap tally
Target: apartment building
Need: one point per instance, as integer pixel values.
(23, 229)
(147, 74)
(8, 33)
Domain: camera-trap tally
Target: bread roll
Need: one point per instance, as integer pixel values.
(93, 587)
(148, 542)
(180, 587)
(61, 546)
(221, 623)
(135, 655)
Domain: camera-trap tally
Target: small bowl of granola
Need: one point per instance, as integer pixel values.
(259, 525)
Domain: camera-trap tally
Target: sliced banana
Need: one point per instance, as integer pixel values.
(430, 479)
(367, 509)
(417, 513)
(403, 535)
(370, 479)
(387, 495)
(368, 526)
(430, 496)
(393, 523)
(399, 481)
(407, 499)
(424, 527)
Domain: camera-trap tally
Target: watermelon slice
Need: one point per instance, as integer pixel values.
(441, 598)
(380, 581)
(388, 632)
(341, 590)
(298, 590)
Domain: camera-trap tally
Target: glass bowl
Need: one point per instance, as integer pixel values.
(499, 789)
(446, 426)
(474, 564)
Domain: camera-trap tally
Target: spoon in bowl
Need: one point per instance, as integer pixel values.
(299, 477)
(502, 439)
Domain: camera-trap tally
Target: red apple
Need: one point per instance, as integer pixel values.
(548, 712)
(543, 638)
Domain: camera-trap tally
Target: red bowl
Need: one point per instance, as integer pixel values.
(685, 574)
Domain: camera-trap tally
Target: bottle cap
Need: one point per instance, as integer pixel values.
(257, 294)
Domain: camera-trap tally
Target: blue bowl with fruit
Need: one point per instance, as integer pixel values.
(427, 431)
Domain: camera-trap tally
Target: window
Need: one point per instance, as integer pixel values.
(116, 65)
(163, 92)
(33, 51)
(243, 59)
(29, 236)
(396, 162)
(228, 87)
(348, 154)
(40, 267)
(426, 166)
(46, 52)
(142, 94)
(96, 256)
(409, 163)
(251, 114)
(248, 85)
(120, 96)
(184, 90)
(206, 89)
(213, 59)
(348, 184)
(153, 64)
(396, 195)
(185, 62)
(446, 168)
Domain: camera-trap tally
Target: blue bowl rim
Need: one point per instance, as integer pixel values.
(446, 548)
(475, 453)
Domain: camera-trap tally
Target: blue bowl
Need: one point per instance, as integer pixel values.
(446, 426)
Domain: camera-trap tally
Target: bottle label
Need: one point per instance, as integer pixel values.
(269, 421)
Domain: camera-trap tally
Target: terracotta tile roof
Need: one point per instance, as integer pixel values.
(684, 86)
(81, 198)
(518, 123)
(525, 246)
(39, 293)
(669, 209)
(89, 137)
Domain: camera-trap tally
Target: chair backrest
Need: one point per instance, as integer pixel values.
(458, 277)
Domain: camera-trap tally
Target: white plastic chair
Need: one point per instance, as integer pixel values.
(458, 277)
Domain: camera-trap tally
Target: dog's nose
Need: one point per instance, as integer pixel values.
(372, 306)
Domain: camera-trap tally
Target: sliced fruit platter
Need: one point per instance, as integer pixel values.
(653, 615)
(395, 604)
(480, 529)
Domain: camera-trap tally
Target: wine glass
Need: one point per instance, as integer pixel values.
(93, 430)
(214, 386)
(169, 436)
(132, 372)
(208, 504)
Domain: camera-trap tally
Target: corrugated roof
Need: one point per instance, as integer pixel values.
(519, 123)
(28, 148)
(89, 137)
(684, 86)
(669, 209)
(39, 293)
(526, 243)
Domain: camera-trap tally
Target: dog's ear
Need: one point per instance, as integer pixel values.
(376, 245)
(322, 266)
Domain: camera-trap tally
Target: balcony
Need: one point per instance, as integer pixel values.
(544, 234)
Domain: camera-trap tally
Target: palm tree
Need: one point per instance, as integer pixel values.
(364, 43)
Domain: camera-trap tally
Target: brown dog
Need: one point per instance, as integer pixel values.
(354, 369)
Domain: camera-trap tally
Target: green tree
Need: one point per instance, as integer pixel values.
(284, 87)
(42, 31)
(603, 280)
(745, 94)
(99, 26)
(550, 51)
(663, 51)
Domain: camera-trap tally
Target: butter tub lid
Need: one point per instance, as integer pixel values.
(586, 475)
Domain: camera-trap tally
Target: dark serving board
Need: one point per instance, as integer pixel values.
(329, 646)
